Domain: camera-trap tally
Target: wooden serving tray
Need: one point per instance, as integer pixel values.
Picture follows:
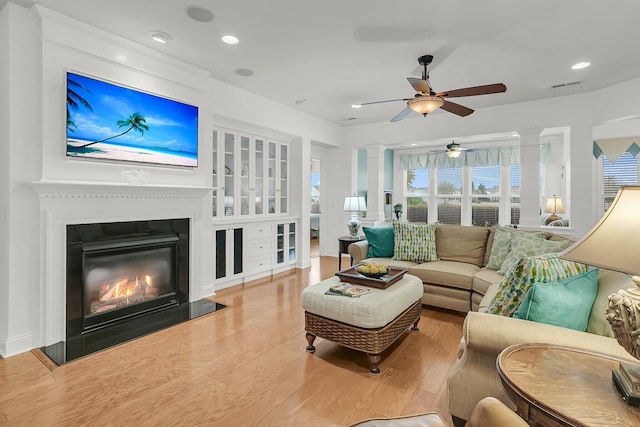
(351, 275)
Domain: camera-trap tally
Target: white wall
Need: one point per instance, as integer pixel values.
(37, 48)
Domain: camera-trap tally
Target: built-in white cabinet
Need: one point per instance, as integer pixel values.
(286, 243)
(250, 175)
(260, 247)
(229, 243)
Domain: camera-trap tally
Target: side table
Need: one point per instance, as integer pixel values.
(562, 386)
(343, 243)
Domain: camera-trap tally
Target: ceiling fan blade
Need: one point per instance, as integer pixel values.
(419, 85)
(401, 115)
(475, 90)
(381, 102)
(458, 109)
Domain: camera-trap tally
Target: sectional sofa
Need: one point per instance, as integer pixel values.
(459, 279)
(462, 279)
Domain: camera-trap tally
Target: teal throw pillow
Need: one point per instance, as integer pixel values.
(565, 302)
(524, 273)
(414, 242)
(380, 241)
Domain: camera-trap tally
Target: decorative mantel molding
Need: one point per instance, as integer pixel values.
(106, 190)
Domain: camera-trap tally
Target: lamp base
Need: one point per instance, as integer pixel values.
(353, 225)
(551, 218)
(626, 380)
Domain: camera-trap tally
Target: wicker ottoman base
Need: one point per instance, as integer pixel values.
(371, 341)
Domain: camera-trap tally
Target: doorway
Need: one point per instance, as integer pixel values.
(315, 208)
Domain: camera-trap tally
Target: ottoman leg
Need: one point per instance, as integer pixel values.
(415, 325)
(374, 359)
(310, 339)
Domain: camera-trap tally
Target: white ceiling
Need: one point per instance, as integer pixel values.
(335, 53)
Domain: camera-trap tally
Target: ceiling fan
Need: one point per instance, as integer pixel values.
(426, 100)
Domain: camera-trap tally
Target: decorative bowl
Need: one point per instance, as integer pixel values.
(373, 275)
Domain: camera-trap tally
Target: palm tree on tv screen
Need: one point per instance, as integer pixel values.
(74, 99)
(135, 122)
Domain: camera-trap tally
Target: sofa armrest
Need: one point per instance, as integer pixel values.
(358, 250)
(490, 334)
(474, 376)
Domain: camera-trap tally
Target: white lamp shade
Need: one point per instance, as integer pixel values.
(554, 205)
(611, 244)
(354, 204)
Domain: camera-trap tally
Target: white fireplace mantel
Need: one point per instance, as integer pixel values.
(87, 189)
(82, 202)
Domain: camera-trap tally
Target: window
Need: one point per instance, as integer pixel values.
(623, 172)
(514, 193)
(417, 206)
(449, 195)
(485, 195)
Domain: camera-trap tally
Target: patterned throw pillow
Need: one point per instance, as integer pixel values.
(523, 245)
(526, 272)
(414, 242)
(502, 244)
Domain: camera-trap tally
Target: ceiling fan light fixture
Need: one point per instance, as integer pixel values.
(453, 150)
(425, 104)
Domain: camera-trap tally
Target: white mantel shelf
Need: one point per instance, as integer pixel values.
(85, 189)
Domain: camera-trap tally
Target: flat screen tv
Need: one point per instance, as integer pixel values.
(108, 121)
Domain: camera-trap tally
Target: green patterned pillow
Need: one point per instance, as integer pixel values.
(502, 244)
(414, 242)
(526, 272)
(523, 245)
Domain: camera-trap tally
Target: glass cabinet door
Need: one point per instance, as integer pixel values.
(283, 178)
(244, 175)
(214, 182)
(280, 243)
(259, 177)
(272, 178)
(229, 166)
(292, 241)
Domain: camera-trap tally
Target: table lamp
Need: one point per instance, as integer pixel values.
(611, 244)
(354, 204)
(554, 206)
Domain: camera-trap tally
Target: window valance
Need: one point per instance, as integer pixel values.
(493, 156)
(615, 147)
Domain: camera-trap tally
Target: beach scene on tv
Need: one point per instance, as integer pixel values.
(112, 122)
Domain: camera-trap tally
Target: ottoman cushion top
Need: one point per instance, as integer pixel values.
(372, 310)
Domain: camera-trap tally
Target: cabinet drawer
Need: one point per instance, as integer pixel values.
(260, 247)
(258, 263)
(258, 231)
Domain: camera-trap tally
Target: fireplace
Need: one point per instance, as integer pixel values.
(127, 277)
(125, 280)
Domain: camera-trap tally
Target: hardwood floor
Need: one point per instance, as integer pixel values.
(243, 366)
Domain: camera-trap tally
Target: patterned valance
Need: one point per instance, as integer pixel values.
(615, 147)
(493, 156)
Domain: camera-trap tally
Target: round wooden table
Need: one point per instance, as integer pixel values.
(562, 386)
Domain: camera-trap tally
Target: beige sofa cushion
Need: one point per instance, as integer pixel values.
(446, 273)
(484, 279)
(461, 243)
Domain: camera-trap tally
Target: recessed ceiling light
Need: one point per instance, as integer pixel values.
(199, 14)
(580, 65)
(244, 72)
(230, 39)
(160, 36)
(356, 106)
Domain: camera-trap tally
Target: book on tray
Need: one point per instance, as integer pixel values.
(348, 290)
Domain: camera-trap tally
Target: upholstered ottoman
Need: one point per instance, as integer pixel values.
(369, 323)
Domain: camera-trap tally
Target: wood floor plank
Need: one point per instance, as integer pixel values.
(244, 365)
